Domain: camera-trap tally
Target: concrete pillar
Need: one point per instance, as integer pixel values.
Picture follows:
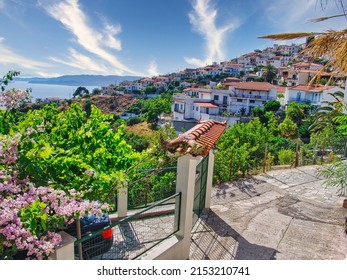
(209, 179)
(122, 202)
(65, 250)
(185, 183)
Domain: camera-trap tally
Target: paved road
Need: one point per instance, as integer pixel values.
(284, 214)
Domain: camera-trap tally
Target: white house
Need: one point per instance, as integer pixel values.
(185, 84)
(233, 69)
(249, 95)
(307, 66)
(204, 110)
(314, 95)
(51, 100)
(195, 103)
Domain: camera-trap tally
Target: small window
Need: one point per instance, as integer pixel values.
(196, 108)
(239, 100)
(251, 101)
(216, 97)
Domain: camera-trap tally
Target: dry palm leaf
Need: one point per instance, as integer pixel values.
(326, 18)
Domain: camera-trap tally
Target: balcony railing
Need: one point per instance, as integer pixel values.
(250, 96)
(303, 100)
(179, 111)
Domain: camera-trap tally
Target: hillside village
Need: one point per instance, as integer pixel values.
(228, 90)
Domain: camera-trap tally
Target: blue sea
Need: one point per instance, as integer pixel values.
(45, 91)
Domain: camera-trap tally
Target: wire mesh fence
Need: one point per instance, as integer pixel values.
(151, 185)
(134, 235)
(304, 154)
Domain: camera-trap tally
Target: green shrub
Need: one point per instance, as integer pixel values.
(138, 142)
(133, 121)
(286, 157)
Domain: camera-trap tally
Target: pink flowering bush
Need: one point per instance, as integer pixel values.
(12, 99)
(30, 216)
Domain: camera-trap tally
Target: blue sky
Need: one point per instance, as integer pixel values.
(143, 37)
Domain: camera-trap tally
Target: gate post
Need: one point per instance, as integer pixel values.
(185, 183)
(122, 202)
(209, 179)
(65, 250)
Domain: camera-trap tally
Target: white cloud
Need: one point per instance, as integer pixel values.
(2, 4)
(9, 56)
(293, 15)
(70, 14)
(80, 61)
(203, 19)
(48, 74)
(153, 68)
(286, 13)
(109, 33)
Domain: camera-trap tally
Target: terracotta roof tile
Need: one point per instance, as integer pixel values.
(199, 140)
(206, 105)
(261, 86)
(313, 88)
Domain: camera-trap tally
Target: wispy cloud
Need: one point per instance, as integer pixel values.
(110, 32)
(293, 15)
(203, 19)
(2, 4)
(70, 14)
(287, 14)
(80, 61)
(8, 56)
(153, 68)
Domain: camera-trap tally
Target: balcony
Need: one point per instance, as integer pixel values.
(303, 101)
(250, 96)
(179, 111)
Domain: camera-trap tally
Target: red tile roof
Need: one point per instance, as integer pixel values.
(281, 89)
(306, 64)
(199, 140)
(258, 86)
(232, 79)
(189, 89)
(313, 88)
(206, 105)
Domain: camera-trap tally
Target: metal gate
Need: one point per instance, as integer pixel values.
(200, 188)
(133, 235)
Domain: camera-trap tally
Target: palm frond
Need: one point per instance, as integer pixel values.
(289, 36)
(325, 18)
(337, 95)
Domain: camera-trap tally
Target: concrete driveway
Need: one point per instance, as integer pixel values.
(284, 214)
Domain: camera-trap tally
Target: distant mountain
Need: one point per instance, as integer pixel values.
(80, 80)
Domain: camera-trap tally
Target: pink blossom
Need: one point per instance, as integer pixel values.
(16, 194)
(12, 99)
